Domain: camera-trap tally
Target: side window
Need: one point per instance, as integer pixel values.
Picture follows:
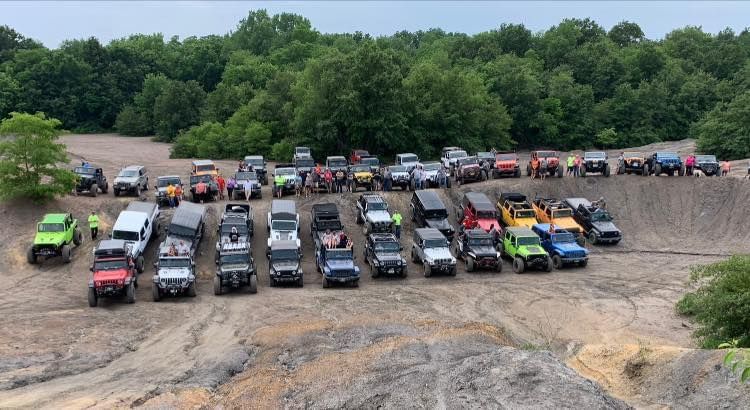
(145, 224)
(143, 233)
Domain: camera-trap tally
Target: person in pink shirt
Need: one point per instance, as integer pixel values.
(689, 164)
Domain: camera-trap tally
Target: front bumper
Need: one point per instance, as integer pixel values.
(537, 262)
(286, 276)
(235, 280)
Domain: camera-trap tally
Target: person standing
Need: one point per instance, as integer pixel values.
(340, 179)
(222, 183)
(689, 164)
(247, 187)
(577, 166)
(308, 185)
(534, 167)
(377, 180)
(396, 218)
(351, 186)
(387, 180)
(177, 194)
(570, 162)
(170, 195)
(298, 184)
(543, 169)
(725, 168)
(329, 180)
(94, 225)
(442, 178)
(231, 185)
(278, 183)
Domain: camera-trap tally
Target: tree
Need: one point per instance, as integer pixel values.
(626, 33)
(177, 107)
(725, 131)
(606, 137)
(29, 156)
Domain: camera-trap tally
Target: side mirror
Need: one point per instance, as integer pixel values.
(192, 263)
(156, 264)
(156, 187)
(91, 268)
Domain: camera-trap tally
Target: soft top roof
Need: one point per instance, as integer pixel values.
(325, 208)
(370, 197)
(520, 231)
(480, 201)
(113, 247)
(513, 197)
(188, 215)
(383, 237)
(283, 208)
(237, 208)
(203, 162)
(576, 202)
(54, 218)
(168, 177)
(279, 245)
(478, 233)
(145, 207)
(430, 200)
(429, 233)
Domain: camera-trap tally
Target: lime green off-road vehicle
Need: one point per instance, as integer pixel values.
(525, 248)
(54, 236)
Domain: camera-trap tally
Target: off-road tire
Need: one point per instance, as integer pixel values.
(427, 270)
(518, 265)
(116, 192)
(354, 283)
(404, 273)
(191, 290)
(138, 191)
(469, 264)
(517, 173)
(326, 284)
(77, 237)
(218, 290)
(145, 186)
(139, 264)
(583, 171)
(557, 262)
(583, 263)
(499, 265)
(414, 257)
(606, 170)
(300, 283)
(374, 272)
(559, 171)
(106, 188)
(31, 256)
(644, 171)
(130, 293)
(548, 268)
(93, 299)
(155, 292)
(453, 271)
(66, 253)
(657, 170)
(253, 287)
(94, 190)
(592, 238)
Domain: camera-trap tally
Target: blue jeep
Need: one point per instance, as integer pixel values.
(562, 246)
(337, 266)
(663, 162)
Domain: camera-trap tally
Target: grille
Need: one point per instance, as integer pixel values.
(612, 234)
(576, 254)
(442, 261)
(341, 273)
(171, 281)
(390, 263)
(108, 282)
(537, 259)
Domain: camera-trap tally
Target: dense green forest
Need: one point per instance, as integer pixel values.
(275, 82)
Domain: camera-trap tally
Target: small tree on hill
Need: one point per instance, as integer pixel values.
(29, 156)
(606, 137)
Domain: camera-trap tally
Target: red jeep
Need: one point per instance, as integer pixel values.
(477, 211)
(553, 162)
(113, 272)
(357, 155)
(467, 169)
(506, 164)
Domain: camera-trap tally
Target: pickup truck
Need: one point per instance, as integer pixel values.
(137, 225)
(335, 263)
(175, 266)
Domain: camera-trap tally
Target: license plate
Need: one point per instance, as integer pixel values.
(110, 289)
(391, 270)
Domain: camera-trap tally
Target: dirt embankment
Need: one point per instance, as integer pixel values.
(440, 341)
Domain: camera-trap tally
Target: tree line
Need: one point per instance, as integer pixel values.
(274, 82)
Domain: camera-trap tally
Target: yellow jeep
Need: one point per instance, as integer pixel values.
(632, 163)
(362, 176)
(204, 167)
(552, 211)
(516, 210)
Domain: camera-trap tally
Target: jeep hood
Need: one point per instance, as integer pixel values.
(527, 222)
(439, 224)
(486, 222)
(360, 175)
(568, 247)
(174, 273)
(285, 265)
(567, 223)
(243, 267)
(484, 251)
(605, 226)
(283, 235)
(469, 167)
(340, 264)
(129, 180)
(438, 253)
(378, 216)
(115, 274)
(531, 250)
(49, 238)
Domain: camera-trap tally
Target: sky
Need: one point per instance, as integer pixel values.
(52, 22)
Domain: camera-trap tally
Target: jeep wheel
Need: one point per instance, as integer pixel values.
(583, 263)
(139, 264)
(427, 270)
(138, 191)
(31, 256)
(93, 299)
(66, 253)
(374, 272)
(105, 188)
(548, 267)
(494, 175)
(145, 186)
(559, 171)
(130, 293)
(657, 170)
(94, 190)
(191, 290)
(499, 265)
(518, 265)
(354, 283)
(582, 171)
(217, 286)
(469, 264)
(606, 170)
(414, 257)
(253, 288)
(326, 284)
(404, 273)
(155, 294)
(300, 283)
(77, 237)
(557, 262)
(116, 192)
(644, 172)
(517, 173)
(592, 238)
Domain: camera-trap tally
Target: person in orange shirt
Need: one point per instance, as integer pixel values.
(534, 167)
(577, 166)
(221, 183)
(177, 194)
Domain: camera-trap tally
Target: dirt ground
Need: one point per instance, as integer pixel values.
(474, 340)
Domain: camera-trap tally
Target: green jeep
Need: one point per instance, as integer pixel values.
(524, 246)
(54, 236)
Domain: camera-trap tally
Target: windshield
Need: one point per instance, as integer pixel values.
(305, 162)
(435, 243)
(205, 178)
(360, 168)
(234, 259)
(337, 162)
(562, 213)
(226, 229)
(601, 217)
(387, 247)
(284, 254)
(339, 253)
(525, 213)
(163, 182)
(706, 158)
(468, 161)
(128, 174)
(125, 235)
(632, 155)
(370, 161)
(432, 167)
(203, 168)
(546, 154)
(436, 214)
(174, 263)
(457, 154)
(667, 155)
(528, 240)
(285, 171)
(594, 155)
(409, 158)
(256, 162)
(486, 214)
(284, 225)
(484, 155)
(302, 151)
(51, 227)
(110, 264)
(397, 168)
(244, 176)
(481, 242)
(377, 206)
(505, 157)
(563, 238)
(85, 170)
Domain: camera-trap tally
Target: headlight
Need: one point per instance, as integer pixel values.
(429, 261)
(497, 255)
(376, 262)
(133, 183)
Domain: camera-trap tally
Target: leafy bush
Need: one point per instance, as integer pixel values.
(721, 304)
(725, 131)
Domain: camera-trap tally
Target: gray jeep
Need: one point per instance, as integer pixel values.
(430, 248)
(131, 179)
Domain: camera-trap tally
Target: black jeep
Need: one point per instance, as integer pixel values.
(596, 222)
(428, 211)
(382, 253)
(90, 180)
(477, 248)
(235, 268)
(707, 164)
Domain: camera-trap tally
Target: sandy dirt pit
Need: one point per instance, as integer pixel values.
(475, 340)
